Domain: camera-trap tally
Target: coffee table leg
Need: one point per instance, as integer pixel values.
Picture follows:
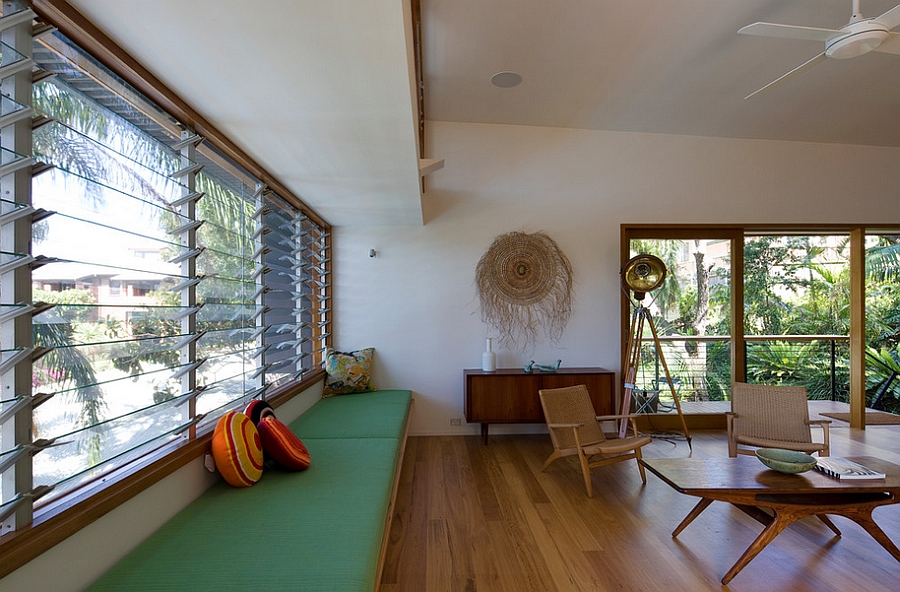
(827, 522)
(701, 505)
(864, 518)
(787, 515)
(779, 522)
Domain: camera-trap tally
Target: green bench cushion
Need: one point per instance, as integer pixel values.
(318, 530)
(378, 414)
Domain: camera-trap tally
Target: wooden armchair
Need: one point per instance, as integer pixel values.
(772, 417)
(575, 430)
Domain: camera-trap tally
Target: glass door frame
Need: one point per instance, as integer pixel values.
(736, 234)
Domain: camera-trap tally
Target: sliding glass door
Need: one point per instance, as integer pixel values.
(814, 306)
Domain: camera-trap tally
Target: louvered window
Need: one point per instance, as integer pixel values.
(167, 284)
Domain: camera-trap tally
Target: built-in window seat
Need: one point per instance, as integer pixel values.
(324, 528)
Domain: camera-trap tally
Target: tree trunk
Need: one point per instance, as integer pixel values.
(697, 354)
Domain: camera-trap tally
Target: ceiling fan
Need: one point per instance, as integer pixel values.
(861, 35)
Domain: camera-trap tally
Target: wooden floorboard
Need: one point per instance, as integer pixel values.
(471, 517)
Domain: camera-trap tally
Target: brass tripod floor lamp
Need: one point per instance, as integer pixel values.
(640, 275)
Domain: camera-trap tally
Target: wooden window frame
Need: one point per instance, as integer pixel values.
(77, 510)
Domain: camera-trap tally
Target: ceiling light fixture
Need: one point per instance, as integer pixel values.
(506, 79)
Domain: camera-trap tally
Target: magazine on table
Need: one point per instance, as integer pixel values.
(841, 468)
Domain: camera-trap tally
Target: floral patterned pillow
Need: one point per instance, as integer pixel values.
(348, 372)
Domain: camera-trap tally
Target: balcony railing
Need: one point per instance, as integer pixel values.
(701, 366)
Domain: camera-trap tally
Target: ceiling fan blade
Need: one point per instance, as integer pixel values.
(890, 45)
(801, 68)
(890, 19)
(788, 31)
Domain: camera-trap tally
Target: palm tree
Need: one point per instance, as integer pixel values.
(883, 260)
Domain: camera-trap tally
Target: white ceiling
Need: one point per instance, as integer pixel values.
(321, 92)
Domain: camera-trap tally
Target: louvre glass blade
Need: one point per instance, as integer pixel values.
(8, 106)
(8, 259)
(221, 392)
(103, 203)
(225, 290)
(67, 237)
(11, 161)
(89, 391)
(91, 452)
(66, 148)
(104, 280)
(223, 264)
(145, 320)
(9, 56)
(236, 314)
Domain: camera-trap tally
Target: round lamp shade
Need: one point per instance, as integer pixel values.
(643, 273)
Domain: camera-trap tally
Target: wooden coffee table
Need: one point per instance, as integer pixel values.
(750, 486)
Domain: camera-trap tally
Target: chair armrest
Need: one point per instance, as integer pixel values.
(609, 417)
(564, 425)
(819, 422)
(630, 417)
(729, 429)
(826, 438)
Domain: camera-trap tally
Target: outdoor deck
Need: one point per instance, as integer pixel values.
(711, 415)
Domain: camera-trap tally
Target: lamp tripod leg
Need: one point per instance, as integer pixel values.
(629, 365)
(665, 366)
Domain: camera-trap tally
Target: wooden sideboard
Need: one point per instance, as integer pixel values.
(510, 395)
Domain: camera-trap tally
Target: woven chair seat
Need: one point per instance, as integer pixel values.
(617, 445)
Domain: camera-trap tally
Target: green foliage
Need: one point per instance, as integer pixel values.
(67, 146)
(792, 286)
(153, 323)
(883, 260)
(68, 369)
(883, 378)
(818, 287)
(72, 296)
(767, 264)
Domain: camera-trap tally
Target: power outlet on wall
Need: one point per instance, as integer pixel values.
(455, 421)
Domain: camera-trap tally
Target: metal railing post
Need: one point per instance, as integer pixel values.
(833, 371)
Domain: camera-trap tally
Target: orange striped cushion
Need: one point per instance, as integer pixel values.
(282, 445)
(237, 449)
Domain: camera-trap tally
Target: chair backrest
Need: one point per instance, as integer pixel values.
(571, 404)
(771, 412)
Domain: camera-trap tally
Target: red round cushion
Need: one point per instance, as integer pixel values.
(237, 450)
(257, 409)
(282, 445)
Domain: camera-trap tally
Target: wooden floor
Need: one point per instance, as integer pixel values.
(477, 518)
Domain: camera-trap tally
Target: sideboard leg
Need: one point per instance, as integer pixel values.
(484, 432)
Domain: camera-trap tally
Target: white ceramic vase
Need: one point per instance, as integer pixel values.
(488, 358)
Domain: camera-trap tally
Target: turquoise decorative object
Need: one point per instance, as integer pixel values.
(528, 366)
(785, 461)
(553, 368)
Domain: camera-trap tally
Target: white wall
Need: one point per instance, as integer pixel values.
(416, 301)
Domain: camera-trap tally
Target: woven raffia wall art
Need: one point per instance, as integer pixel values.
(525, 284)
